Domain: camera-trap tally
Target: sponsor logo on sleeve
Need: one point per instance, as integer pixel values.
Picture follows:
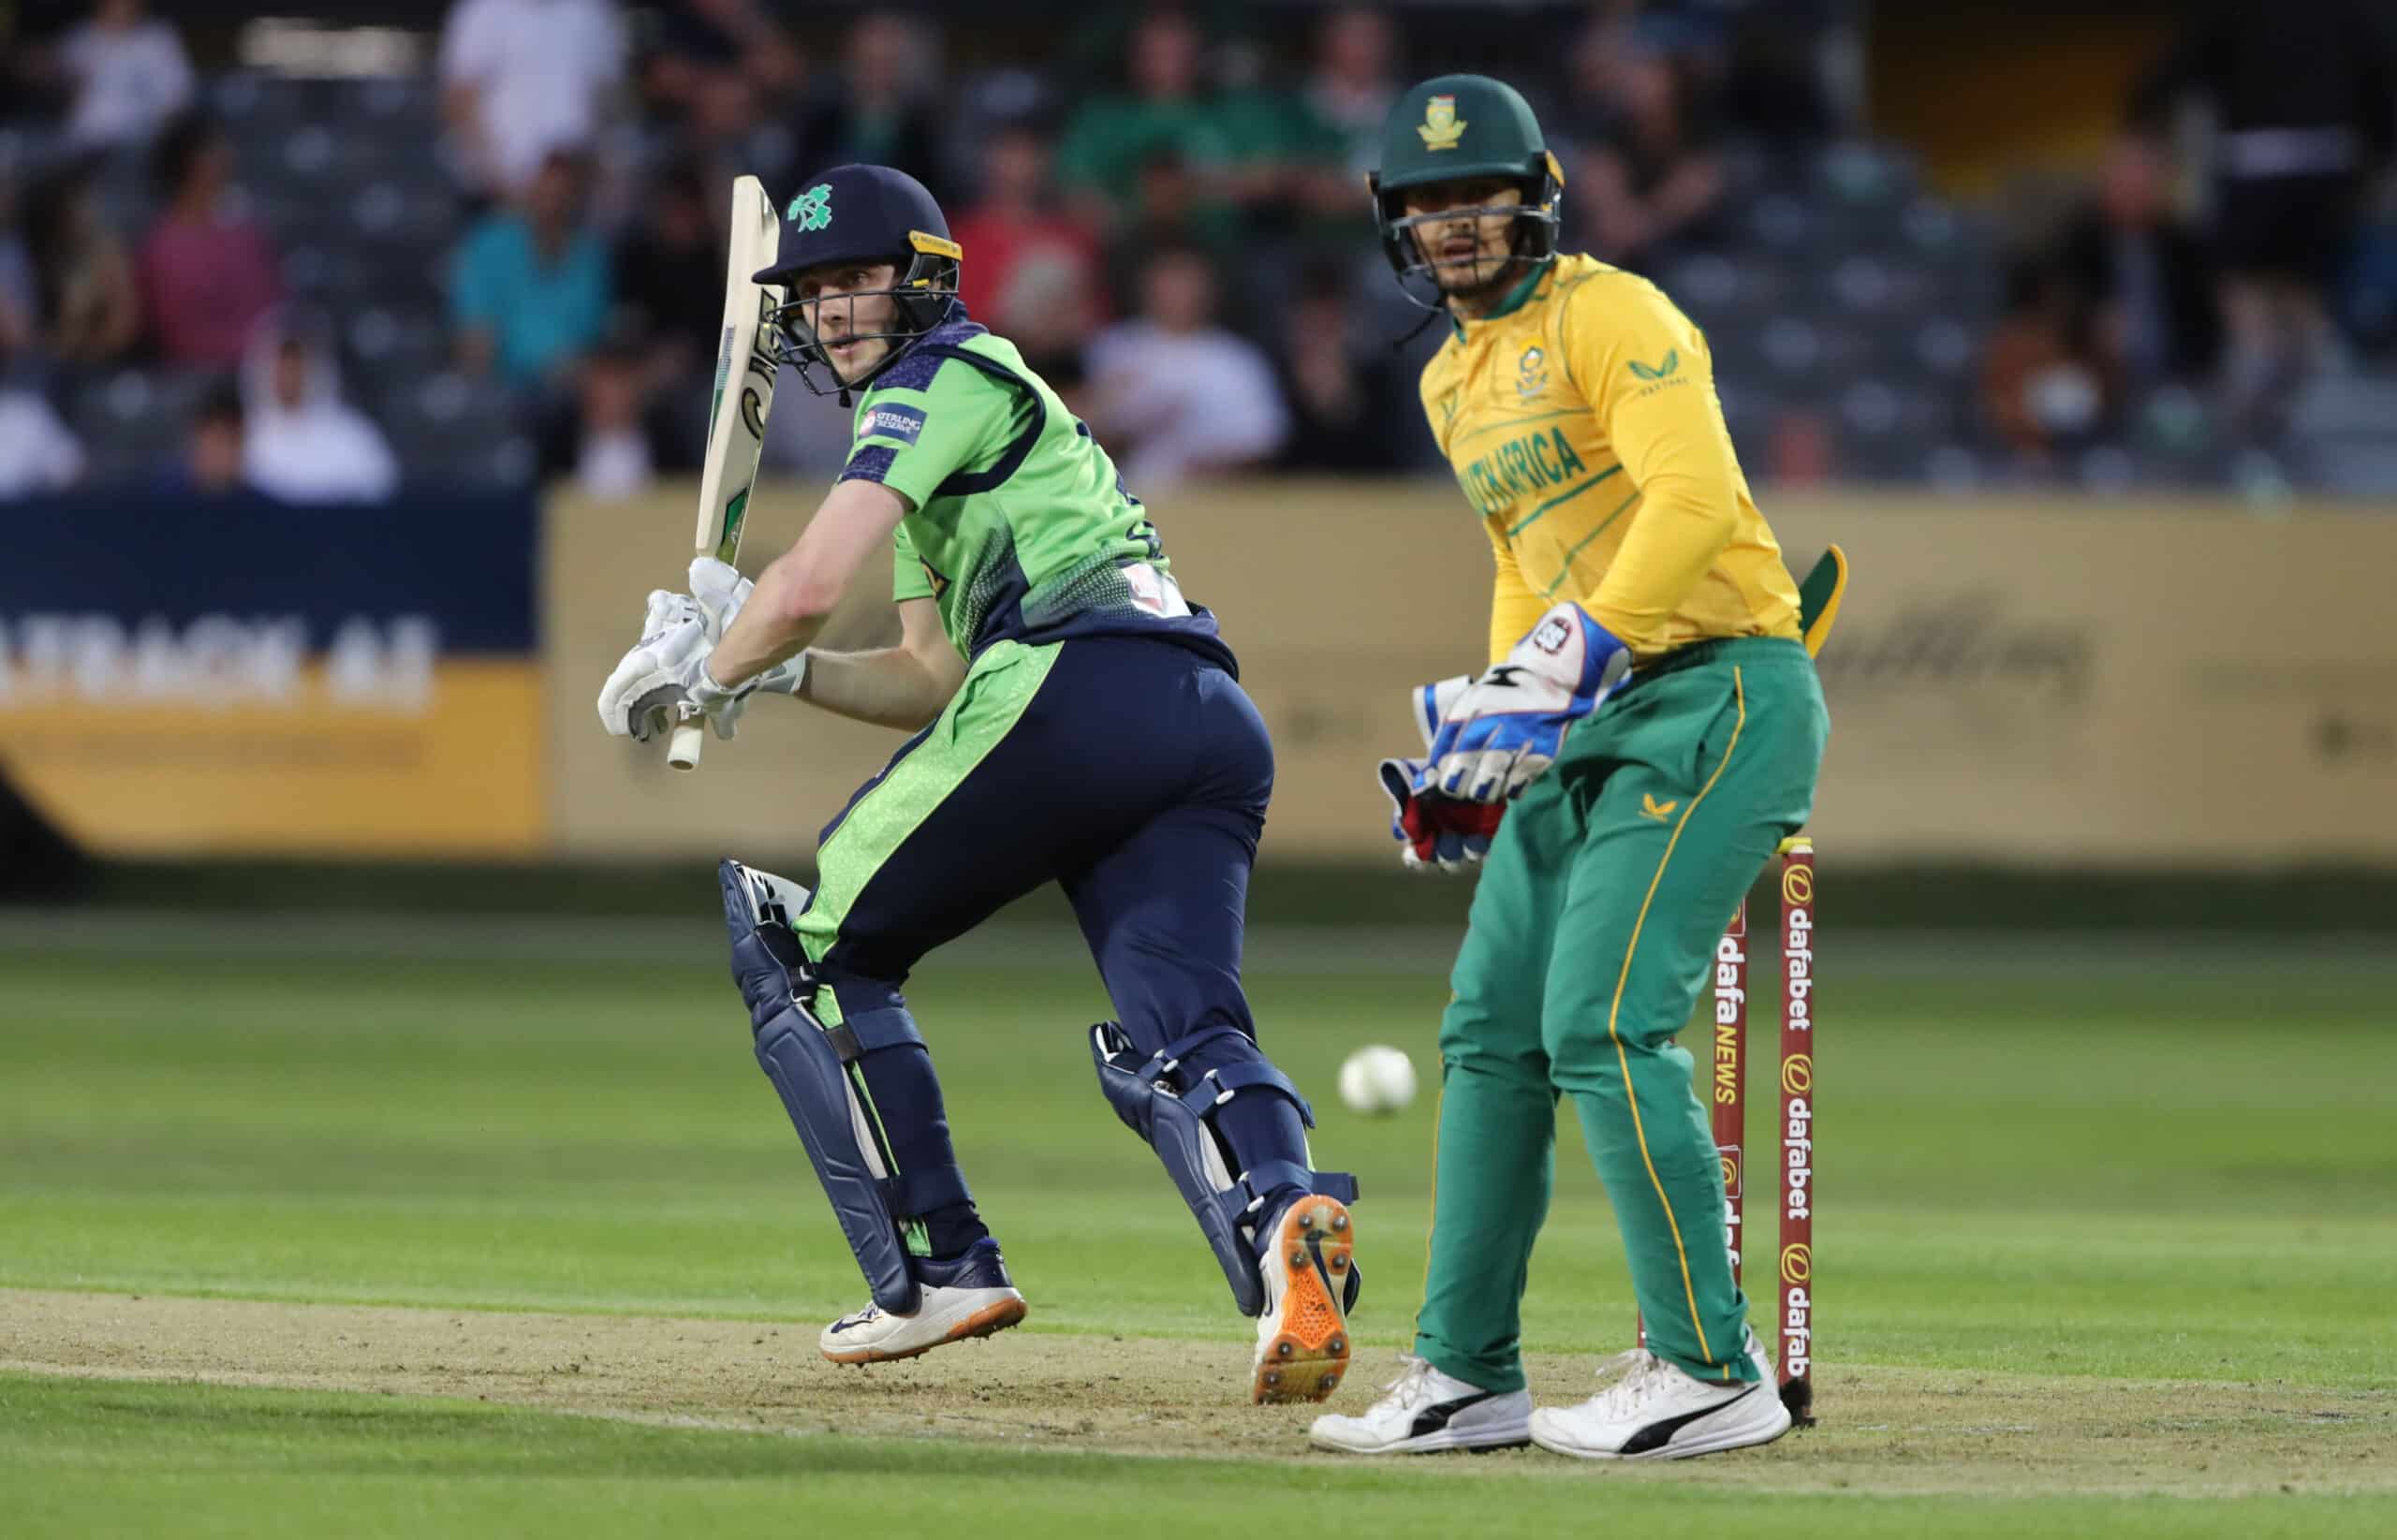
(903, 423)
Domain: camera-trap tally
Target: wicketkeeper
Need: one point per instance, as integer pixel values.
(1075, 721)
(1648, 730)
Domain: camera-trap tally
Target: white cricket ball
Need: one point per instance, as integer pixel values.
(1377, 1079)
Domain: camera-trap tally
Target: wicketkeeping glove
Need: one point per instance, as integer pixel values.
(1509, 724)
(1433, 831)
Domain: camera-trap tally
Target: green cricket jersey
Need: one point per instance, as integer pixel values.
(1019, 525)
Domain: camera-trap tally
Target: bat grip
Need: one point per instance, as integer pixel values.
(682, 751)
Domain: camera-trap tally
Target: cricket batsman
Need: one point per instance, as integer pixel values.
(1648, 730)
(1075, 721)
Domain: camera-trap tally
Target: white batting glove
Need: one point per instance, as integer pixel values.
(666, 610)
(720, 591)
(664, 679)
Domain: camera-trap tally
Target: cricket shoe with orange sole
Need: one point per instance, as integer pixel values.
(1310, 1274)
(969, 1296)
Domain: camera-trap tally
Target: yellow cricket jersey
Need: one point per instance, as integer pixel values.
(1582, 423)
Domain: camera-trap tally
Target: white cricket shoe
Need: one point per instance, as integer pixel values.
(1658, 1411)
(1424, 1411)
(969, 1297)
(1302, 1333)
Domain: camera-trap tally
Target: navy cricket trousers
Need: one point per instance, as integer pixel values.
(1134, 772)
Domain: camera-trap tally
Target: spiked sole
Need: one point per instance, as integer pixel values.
(1304, 1353)
(992, 1318)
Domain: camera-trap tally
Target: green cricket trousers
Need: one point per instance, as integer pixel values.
(1593, 930)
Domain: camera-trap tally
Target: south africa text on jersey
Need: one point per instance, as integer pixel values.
(1528, 464)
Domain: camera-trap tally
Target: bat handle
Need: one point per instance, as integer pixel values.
(683, 752)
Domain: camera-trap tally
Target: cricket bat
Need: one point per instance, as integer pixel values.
(744, 393)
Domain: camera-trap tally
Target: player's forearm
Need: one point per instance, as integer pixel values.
(890, 687)
(796, 595)
(786, 611)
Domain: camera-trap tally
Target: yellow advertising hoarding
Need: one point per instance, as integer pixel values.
(453, 769)
(2028, 680)
(232, 676)
(2015, 680)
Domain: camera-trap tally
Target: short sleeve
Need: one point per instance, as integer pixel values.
(911, 440)
(908, 579)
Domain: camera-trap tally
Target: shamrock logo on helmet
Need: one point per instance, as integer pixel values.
(812, 209)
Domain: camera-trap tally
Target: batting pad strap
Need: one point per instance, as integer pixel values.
(1188, 1045)
(915, 1193)
(1264, 1178)
(866, 1033)
(1267, 1176)
(1257, 1073)
(1212, 1076)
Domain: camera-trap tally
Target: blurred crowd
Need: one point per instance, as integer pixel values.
(1169, 221)
(2227, 283)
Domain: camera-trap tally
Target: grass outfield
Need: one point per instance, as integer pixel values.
(2104, 1246)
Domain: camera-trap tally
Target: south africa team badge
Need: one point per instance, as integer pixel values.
(1531, 372)
(1441, 128)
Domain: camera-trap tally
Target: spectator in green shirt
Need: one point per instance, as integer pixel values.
(1167, 116)
(1349, 93)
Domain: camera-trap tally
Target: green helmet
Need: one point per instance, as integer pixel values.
(1456, 128)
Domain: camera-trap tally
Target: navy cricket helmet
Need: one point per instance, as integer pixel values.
(862, 214)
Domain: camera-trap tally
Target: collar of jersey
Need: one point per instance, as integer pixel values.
(1516, 298)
